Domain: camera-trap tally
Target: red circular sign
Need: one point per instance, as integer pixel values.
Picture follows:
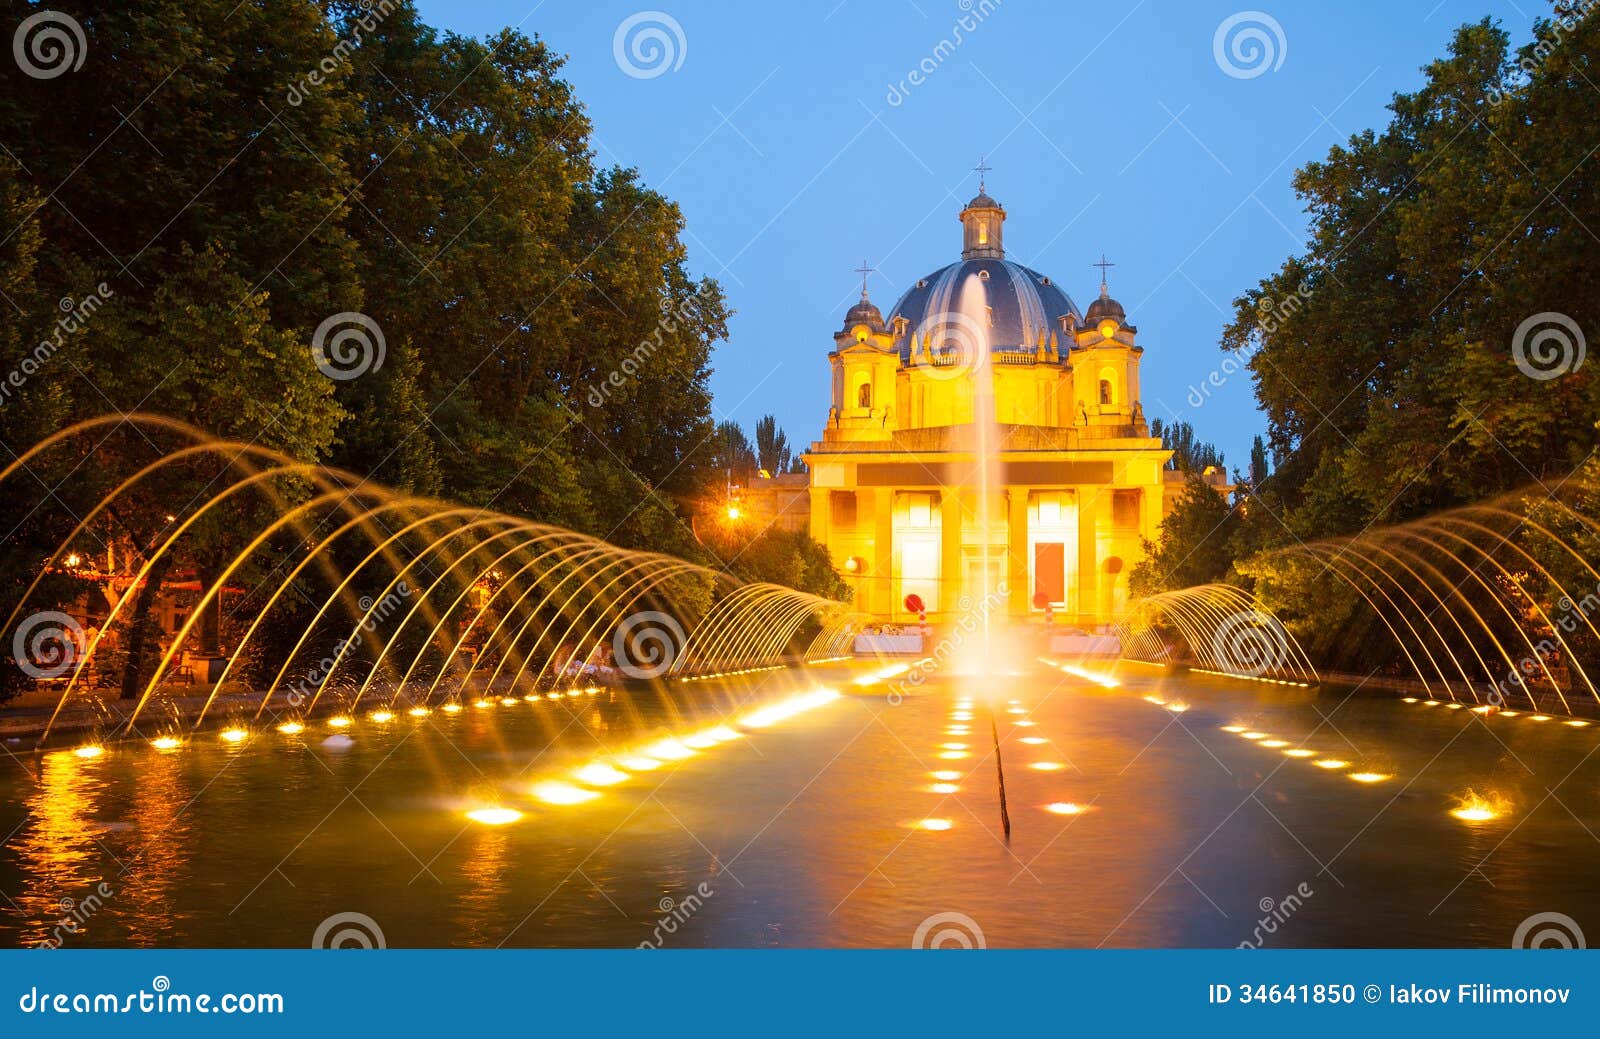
(913, 603)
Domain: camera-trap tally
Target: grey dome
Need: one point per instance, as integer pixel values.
(864, 313)
(1022, 302)
(1105, 307)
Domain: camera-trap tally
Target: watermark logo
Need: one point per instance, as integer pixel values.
(348, 931)
(949, 931)
(949, 345)
(76, 914)
(49, 44)
(372, 13)
(973, 14)
(1251, 643)
(47, 644)
(647, 644)
(347, 346)
(1548, 931)
(75, 315)
(1548, 345)
(649, 44)
(1249, 44)
(675, 913)
(1275, 912)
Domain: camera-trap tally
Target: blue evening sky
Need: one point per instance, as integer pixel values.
(1110, 127)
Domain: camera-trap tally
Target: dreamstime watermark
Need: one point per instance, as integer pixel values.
(47, 644)
(1249, 44)
(75, 314)
(1250, 642)
(356, 347)
(949, 345)
(974, 12)
(647, 644)
(1566, 20)
(965, 627)
(373, 12)
(649, 44)
(157, 999)
(374, 613)
(1548, 931)
(949, 931)
(672, 318)
(1276, 913)
(348, 931)
(49, 44)
(1548, 345)
(76, 913)
(675, 913)
(1271, 314)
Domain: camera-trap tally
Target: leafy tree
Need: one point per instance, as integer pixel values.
(1189, 453)
(772, 446)
(1194, 544)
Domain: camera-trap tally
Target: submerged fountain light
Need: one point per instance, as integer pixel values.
(88, 751)
(1047, 766)
(1538, 717)
(1300, 752)
(1236, 729)
(1274, 744)
(944, 788)
(1472, 807)
(451, 708)
(1177, 707)
(382, 716)
(234, 735)
(165, 743)
(598, 773)
(669, 749)
(291, 727)
(1369, 777)
(639, 763)
(555, 792)
(494, 816)
(340, 721)
(1331, 764)
(1103, 680)
(937, 825)
(1066, 808)
(1576, 723)
(946, 775)
(1252, 735)
(1033, 741)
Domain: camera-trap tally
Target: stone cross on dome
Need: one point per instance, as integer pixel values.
(864, 270)
(981, 169)
(1105, 290)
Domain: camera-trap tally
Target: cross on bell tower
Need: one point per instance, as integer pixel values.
(1105, 290)
(981, 169)
(864, 270)
(981, 222)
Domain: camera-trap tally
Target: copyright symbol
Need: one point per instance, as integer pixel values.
(1372, 993)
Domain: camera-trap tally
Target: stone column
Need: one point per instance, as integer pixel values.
(882, 582)
(1017, 555)
(1091, 520)
(949, 550)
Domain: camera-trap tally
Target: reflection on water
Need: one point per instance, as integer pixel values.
(752, 813)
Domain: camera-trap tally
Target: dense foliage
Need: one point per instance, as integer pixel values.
(544, 348)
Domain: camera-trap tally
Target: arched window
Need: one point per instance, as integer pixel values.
(1106, 396)
(864, 395)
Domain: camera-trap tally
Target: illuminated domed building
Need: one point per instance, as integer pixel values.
(1077, 481)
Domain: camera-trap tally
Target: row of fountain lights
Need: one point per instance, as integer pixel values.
(1489, 709)
(238, 734)
(585, 782)
(947, 782)
(1471, 807)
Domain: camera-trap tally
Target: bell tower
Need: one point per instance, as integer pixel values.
(981, 222)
